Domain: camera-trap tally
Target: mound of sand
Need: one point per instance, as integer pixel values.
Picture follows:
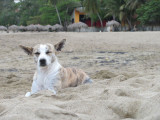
(128, 88)
(113, 99)
(103, 74)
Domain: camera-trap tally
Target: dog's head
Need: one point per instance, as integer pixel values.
(44, 54)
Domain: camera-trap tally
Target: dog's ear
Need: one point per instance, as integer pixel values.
(60, 45)
(27, 50)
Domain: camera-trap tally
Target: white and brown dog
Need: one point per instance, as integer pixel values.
(50, 75)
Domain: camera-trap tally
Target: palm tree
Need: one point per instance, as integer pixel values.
(113, 7)
(70, 5)
(54, 2)
(126, 15)
(118, 9)
(93, 7)
(134, 4)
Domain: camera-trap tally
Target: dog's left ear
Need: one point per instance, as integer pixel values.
(27, 50)
(60, 45)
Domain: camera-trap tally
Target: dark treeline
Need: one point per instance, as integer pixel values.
(128, 12)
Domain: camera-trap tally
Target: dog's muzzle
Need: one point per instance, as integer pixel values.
(42, 62)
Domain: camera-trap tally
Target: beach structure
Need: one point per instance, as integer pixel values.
(13, 28)
(79, 15)
(78, 25)
(3, 28)
(31, 28)
(48, 28)
(57, 27)
(22, 28)
(113, 23)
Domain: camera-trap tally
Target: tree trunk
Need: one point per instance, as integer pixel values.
(129, 23)
(91, 22)
(66, 20)
(114, 18)
(58, 14)
(100, 19)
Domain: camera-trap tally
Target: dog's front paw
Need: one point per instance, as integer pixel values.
(53, 91)
(28, 94)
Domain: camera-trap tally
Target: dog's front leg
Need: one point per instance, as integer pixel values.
(35, 88)
(50, 85)
(52, 90)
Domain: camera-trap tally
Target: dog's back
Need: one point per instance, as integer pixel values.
(71, 77)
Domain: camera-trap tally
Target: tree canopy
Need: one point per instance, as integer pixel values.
(149, 13)
(59, 11)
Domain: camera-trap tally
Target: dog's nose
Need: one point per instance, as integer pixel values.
(42, 62)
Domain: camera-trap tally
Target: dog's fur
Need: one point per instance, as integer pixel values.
(50, 75)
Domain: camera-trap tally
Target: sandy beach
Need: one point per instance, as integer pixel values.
(125, 68)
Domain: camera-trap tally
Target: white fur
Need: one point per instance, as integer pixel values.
(42, 50)
(45, 78)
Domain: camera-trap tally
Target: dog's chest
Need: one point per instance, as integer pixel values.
(47, 80)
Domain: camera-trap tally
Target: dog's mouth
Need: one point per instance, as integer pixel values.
(43, 65)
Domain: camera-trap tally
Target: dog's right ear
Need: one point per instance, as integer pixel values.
(27, 50)
(60, 45)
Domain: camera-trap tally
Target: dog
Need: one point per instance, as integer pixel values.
(50, 74)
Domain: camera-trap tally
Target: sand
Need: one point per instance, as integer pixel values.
(125, 68)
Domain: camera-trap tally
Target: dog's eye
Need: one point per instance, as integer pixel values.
(37, 53)
(48, 52)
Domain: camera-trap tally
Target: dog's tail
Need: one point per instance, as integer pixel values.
(88, 80)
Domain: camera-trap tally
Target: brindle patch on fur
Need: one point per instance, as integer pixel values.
(74, 70)
(72, 77)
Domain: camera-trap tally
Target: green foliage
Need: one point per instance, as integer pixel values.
(123, 10)
(100, 8)
(36, 11)
(28, 9)
(91, 6)
(48, 15)
(34, 20)
(116, 8)
(8, 13)
(53, 11)
(134, 4)
(149, 12)
(65, 8)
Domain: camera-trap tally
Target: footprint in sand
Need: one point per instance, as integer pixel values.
(54, 114)
(121, 93)
(1, 109)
